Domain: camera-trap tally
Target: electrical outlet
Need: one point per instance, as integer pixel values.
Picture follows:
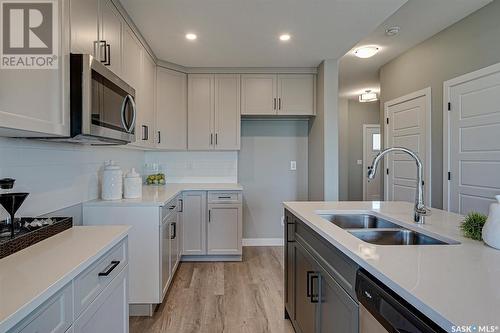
(359, 162)
(293, 165)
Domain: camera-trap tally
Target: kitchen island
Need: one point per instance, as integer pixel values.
(453, 284)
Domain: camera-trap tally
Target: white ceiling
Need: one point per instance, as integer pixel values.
(418, 20)
(244, 33)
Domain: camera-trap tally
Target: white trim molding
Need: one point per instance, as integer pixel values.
(263, 241)
(447, 86)
(428, 138)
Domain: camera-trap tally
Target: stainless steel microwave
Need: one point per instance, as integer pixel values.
(102, 105)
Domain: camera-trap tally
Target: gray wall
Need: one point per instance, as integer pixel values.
(343, 149)
(358, 114)
(267, 147)
(324, 136)
(468, 45)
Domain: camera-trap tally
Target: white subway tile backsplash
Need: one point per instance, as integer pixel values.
(58, 175)
(197, 167)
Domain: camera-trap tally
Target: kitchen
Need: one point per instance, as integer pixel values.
(174, 175)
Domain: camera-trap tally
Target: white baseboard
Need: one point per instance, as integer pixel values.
(262, 241)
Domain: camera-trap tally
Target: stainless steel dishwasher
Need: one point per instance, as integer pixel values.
(381, 310)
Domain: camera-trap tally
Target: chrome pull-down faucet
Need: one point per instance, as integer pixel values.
(420, 210)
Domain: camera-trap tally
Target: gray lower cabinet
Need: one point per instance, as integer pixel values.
(109, 311)
(314, 300)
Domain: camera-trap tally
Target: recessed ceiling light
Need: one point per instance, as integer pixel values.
(366, 51)
(191, 36)
(392, 31)
(285, 37)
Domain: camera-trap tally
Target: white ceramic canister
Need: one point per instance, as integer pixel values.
(132, 185)
(112, 182)
(491, 229)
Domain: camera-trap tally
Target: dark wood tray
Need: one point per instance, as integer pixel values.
(24, 240)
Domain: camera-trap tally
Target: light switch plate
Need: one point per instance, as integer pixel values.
(359, 162)
(293, 165)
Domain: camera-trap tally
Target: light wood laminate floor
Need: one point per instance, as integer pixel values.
(221, 297)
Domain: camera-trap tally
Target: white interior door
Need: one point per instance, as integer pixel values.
(372, 144)
(474, 140)
(407, 125)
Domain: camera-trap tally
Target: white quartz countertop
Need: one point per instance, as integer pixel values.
(160, 195)
(31, 276)
(451, 284)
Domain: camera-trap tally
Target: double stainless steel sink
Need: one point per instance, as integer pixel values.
(375, 230)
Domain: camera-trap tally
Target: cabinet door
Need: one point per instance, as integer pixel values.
(145, 122)
(132, 49)
(85, 26)
(305, 308)
(111, 34)
(338, 312)
(227, 112)
(166, 253)
(35, 103)
(296, 94)
(109, 311)
(290, 279)
(194, 223)
(200, 112)
(171, 109)
(258, 94)
(224, 229)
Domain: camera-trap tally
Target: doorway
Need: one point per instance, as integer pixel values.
(407, 124)
(372, 144)
(471, 140)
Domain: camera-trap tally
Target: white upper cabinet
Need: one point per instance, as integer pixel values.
(111, 36)
(201, 112)
(145, 122)
(296, 94)
(282, 94)
(214, 112)
(85, 26)
(132, 57)
(227, 112)
(171, 109)
(258, 94)
(35, 103)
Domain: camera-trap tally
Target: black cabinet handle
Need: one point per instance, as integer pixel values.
(274, 103)
(173, 226)
(226, 197)
(108, 52)
(216, 138)
(101, 45)
(181, 205)
(171, 207)
(308, 291)
(211, 139)
(314, 298)
(110, 268)
(209, 215)
(159, 137)
(279, 103)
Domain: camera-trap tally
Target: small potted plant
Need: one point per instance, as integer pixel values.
(472, 225)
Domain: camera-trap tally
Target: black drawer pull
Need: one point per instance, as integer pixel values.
(226, 197)
(171, 207)
(110, 268)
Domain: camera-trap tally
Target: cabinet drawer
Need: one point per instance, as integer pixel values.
(224, 197)
(94, 279)
(55, 315)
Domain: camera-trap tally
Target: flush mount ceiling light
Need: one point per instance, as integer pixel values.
(191, 36)
(285, 37)
(392, 31)
(368, 96)
(366, 51)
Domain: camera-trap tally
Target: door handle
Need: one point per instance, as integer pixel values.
(126, 100)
